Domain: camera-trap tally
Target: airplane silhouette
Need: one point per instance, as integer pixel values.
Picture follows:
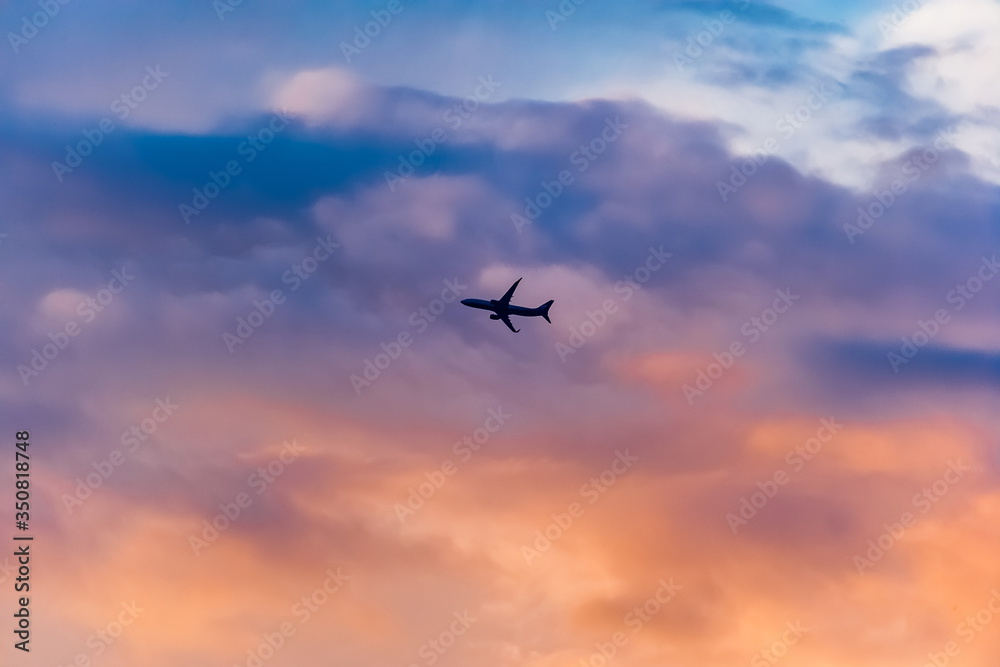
(502, 310)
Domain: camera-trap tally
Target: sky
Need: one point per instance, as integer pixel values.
(760, 429)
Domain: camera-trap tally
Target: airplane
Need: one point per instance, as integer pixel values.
(502, 310)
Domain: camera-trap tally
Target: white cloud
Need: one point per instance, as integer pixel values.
(331, 95)
(962, 75)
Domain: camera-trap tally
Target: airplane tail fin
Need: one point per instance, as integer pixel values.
(545, 310)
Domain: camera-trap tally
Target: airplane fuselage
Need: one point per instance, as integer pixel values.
(500, 309)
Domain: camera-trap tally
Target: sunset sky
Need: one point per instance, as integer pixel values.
(761, 428)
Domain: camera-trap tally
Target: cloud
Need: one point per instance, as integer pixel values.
(332, 95)
(405, 248)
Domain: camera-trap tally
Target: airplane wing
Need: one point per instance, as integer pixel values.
(505, 299)
(506, 320)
